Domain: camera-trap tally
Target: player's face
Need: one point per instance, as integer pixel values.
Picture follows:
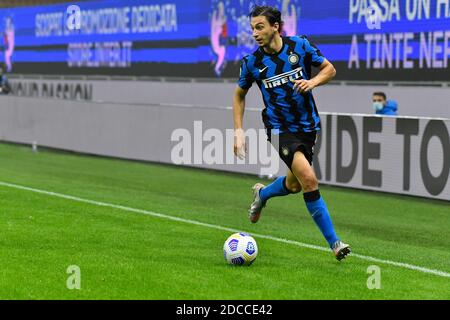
(263, 32)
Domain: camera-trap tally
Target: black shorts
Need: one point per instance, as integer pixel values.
(291, 142)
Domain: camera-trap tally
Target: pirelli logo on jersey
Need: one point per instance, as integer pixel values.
(283, 78)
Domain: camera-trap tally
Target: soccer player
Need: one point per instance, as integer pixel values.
(281, 67)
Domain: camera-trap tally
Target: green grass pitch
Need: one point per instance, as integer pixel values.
(130, 255)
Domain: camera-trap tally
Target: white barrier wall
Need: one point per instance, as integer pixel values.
(398, 155)
(393, 154)
(412, 101)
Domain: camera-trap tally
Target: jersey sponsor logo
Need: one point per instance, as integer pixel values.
(283, 78)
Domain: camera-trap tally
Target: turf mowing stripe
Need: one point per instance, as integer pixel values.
(208, 225)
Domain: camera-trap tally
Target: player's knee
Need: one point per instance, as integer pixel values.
(294, 187)
(309, 183)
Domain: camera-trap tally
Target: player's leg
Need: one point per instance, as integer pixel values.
(292, 182)
(281, 186)
(262, 193)
(303, 170)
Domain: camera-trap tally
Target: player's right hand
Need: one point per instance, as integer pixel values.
(303, 86)
(239, 143)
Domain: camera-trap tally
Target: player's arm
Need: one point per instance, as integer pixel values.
(238, 116)
(326, 73)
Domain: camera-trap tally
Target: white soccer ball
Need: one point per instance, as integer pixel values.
(240, 249)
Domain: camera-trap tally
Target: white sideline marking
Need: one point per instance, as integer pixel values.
(208, 225)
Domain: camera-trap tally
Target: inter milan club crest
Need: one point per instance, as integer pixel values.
(285, 151)
(293, 58)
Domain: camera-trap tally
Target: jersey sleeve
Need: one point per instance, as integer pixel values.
(245, 77)
(316, 56)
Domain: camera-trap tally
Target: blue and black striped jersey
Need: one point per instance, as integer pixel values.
(285, 109)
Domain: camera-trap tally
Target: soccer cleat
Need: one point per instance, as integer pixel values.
(341, 250)
(257, 204)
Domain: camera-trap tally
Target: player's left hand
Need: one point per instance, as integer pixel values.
(303, 86)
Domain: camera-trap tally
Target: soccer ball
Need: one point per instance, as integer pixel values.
(240, 249)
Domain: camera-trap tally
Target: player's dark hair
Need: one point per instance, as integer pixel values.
(381, 94)
(272, 14)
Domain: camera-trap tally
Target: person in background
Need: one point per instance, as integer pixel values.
(5, 88)
(383, 106)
